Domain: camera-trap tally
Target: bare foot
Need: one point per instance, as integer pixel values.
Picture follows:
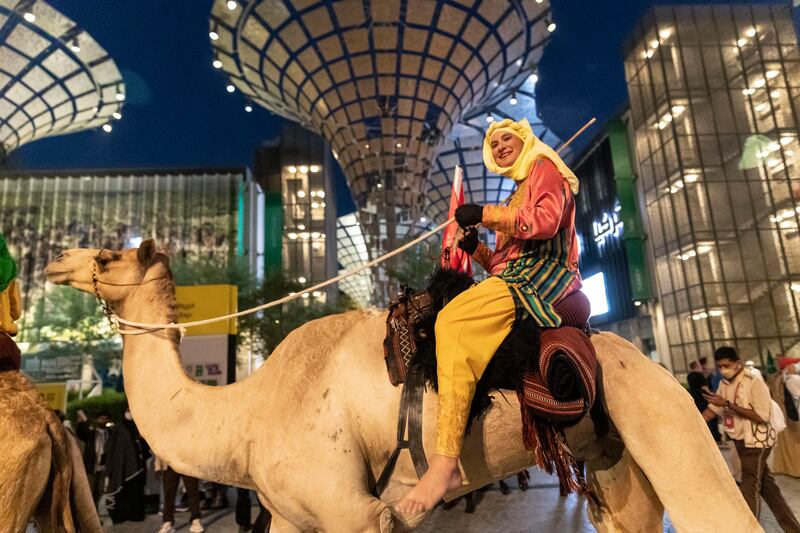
(442, 475)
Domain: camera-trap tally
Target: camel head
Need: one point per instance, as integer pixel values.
(111, 275)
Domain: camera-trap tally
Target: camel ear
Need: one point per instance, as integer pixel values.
(146, 252)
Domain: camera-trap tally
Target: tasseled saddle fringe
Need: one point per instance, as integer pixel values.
(552, 454)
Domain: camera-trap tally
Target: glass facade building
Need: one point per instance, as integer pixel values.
(200, 213)
(715, 101)
(300, 214)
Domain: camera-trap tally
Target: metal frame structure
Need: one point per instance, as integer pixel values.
(54, 77)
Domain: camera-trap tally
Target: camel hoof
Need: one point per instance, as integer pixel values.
(386, 521)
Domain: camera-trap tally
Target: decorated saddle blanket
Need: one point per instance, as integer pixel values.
(10, 357)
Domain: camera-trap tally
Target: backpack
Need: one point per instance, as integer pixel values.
(776, 418)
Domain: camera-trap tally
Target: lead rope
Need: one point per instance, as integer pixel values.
(144, 327)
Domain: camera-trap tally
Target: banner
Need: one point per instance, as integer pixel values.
(55, 394)
(453, 257)
(197, 302)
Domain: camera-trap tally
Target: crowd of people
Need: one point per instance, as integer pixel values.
(733, 394)
(117, 461)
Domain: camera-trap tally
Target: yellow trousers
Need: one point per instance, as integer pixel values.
(469, 330)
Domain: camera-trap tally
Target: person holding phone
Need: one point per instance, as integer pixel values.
(744, 403)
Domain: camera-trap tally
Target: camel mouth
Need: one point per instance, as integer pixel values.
(56, 276)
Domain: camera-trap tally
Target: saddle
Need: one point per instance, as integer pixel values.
(556, 384)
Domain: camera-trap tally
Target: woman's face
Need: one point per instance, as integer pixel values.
(506, 148)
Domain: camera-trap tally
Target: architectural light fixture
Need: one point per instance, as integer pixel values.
(30, 17)
(230, 88)
(107, 128)
(213, 35)
(551, 26)
(248, 108)
(232, 5)
(117, 115)
(216, 63)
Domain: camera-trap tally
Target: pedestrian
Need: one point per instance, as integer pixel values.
(170, 479)
(95, 439)
(744, 402)
(126, 457)
(244, 514)
(698, 383)
(785, 389)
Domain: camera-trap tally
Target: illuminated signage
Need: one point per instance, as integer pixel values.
(594, 287)
(609, 226)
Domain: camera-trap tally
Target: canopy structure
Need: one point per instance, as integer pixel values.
(384, 82)
(54, 77)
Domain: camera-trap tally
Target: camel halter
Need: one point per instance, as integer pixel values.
(108, 311)
(144, 327)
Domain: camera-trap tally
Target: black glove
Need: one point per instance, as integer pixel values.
(469, 242)
(469, 215)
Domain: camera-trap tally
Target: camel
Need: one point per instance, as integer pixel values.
(314, 426)
(41, 470)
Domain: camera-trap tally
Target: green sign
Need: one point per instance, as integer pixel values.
(626, 192)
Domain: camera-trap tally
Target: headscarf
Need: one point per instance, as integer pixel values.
(8, 268)
(532, 150)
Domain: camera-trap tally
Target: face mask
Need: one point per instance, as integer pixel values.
(729, 373)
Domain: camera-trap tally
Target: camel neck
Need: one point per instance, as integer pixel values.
(178, 416)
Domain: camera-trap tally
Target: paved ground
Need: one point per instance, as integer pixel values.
(540, 509)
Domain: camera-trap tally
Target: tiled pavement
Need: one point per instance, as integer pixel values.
(540, 509)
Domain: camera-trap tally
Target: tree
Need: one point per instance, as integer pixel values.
(416, 265)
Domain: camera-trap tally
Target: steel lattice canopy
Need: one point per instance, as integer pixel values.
(54, 77)
(384, 82)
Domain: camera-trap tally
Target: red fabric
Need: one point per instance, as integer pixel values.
(575, 345)
(574, 309)
(10, 356)
(453, 257)
(541, 411)
(547, 207)
(783, 362)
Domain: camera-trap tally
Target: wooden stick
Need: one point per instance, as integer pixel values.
(585, 126)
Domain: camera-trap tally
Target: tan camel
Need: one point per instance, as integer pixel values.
(312, 429)
(41, 470)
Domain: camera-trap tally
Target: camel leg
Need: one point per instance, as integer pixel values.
(281, 525)
(668, 439)
(628, 503)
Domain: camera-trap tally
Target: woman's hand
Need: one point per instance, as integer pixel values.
(469, 215)
(469, 241)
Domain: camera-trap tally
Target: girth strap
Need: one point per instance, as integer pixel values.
(409, 430)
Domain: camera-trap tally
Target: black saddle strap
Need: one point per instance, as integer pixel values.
(409, 430)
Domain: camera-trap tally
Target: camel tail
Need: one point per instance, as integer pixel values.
(83, 510)
(61, 473)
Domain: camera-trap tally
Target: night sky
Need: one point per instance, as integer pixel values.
(178, 113)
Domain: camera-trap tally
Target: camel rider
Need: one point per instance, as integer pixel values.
(534, 265)
(10, 309)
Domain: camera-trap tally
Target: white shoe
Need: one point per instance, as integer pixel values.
(167, 527)
(197, 527)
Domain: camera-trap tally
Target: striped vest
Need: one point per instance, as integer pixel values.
(539, 277)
